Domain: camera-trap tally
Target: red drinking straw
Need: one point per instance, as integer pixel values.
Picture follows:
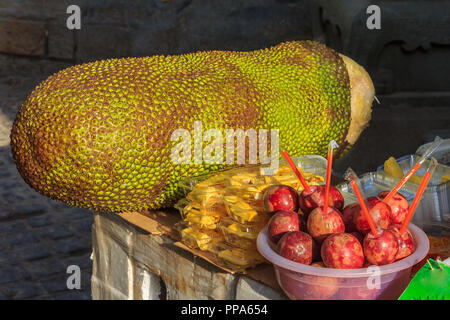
(426, 154)
(294, 168)
(420, 191)
(331, 146)
(364, 208)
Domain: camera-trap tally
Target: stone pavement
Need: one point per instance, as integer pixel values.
(39, 237)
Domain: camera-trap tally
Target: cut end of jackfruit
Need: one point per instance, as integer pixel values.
(362, 95)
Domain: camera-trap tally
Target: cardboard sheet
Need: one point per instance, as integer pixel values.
(154, 222)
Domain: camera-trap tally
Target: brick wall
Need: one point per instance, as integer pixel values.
(118, 28)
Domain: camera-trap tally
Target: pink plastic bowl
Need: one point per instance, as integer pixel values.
(304, 282)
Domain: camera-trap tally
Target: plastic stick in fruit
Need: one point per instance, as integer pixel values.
(420, 161)
(418, 196)
(364, 208)
(380, 246)
(323, 195)
(297, 173)
(399, 206)
(310, 197)
(308, 201)
(354, 181)
(405, 240)
(379, 211)
(331, 147)
(314, 197)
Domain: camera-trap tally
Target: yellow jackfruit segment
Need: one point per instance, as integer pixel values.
(242, 215)
(231, 199)
(199, 238)
(204, 221)
(240, 256)
(234, 228)
(392, 168)
(416, 179)
(445, 178)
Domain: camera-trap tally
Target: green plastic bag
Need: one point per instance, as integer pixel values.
(429, 284)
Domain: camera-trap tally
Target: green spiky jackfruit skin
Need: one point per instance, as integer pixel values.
(98, 135)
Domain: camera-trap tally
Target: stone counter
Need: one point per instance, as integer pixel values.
(130, 263)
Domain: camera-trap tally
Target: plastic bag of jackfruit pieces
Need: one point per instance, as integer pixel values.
(198, 238)
(194, 214)
(240, 235)
(207, 198)
(245, 211)
(244, 192)
(255, 181)
(231, 202)
(290, 179)
(196, 217)
(237, 191)
(237, 259)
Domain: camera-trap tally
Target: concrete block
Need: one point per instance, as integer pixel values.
(122, 252)
(147, 285)
(128, 263)
(110, 268)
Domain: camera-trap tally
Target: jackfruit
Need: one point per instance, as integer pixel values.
(98, 135)
(392, 168)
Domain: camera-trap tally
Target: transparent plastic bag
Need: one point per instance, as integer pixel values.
(229, 205)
